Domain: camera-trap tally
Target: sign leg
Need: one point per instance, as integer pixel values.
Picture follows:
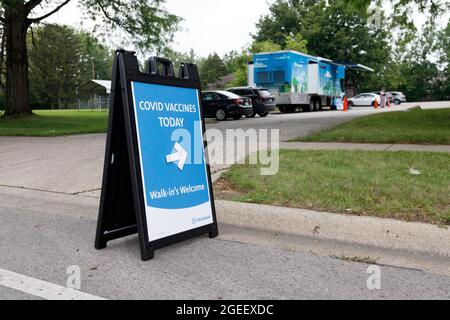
(214, 234)
(147, 253)
(100, 244)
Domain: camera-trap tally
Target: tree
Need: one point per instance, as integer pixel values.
(444, 40)
(57, 70)
(151, 26)
(296, 43)
(96, 58)
(333, 29)
(237, 63)
(421, 76)
(264, 46)
(179, 57)
(433, 6)
(212, 69)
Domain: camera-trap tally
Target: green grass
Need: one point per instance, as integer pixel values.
(413, 127)
(361, 183)
(55, 123)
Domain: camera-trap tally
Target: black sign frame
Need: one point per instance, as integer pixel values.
(122, 207)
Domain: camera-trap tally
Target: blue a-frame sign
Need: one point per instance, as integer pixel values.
(157, 181)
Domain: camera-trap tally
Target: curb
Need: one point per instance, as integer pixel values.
(370, 231)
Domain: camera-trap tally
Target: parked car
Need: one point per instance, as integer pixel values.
(223, 105)
(364, 99)
(399, 97)
(389, 95)
(262, 100)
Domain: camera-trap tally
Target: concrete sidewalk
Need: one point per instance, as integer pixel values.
(363, 147)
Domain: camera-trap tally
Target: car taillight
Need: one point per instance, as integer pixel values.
(238, 101)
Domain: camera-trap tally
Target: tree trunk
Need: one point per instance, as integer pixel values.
(17, 81)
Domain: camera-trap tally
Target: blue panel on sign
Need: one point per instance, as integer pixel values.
(174, 174)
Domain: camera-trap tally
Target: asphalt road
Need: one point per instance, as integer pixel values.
(42, 234)
(48, 211)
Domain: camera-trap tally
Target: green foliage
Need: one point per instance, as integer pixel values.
(179, 57)
(444, 53)
(432, 6)
(97, 59)
(264, 46)
(413, 68)
(296, 43)
(331, 29)
(339, 30)
(237, 64)
(212, 69)
(57, 70)
(147, 23)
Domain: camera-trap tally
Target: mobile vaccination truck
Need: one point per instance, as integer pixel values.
(299, 80)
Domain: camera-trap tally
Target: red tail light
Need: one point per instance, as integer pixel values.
(238, 101)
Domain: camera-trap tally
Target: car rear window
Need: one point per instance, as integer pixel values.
(228, 94)
(264, 93)
(208, 96)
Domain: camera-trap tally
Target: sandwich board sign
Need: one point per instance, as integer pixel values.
(156, 180)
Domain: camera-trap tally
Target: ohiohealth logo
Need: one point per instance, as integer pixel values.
(199, 220)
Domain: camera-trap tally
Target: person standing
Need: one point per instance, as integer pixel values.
(383, 97)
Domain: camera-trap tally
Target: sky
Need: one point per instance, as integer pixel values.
(208, 26)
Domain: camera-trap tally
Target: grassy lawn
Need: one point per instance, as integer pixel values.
(56, 123)
(413, 127)
(360, 183)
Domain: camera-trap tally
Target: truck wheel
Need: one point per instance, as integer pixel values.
(221, 115)
(310, 107)
(319, 105)
(316, 105)
(291, 109)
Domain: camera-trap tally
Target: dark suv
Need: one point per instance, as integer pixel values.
(263, 101)
(224, 104)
